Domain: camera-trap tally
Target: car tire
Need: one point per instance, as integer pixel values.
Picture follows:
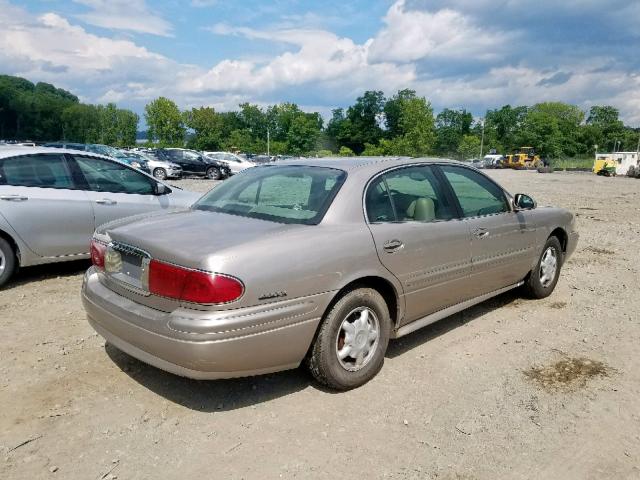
(543, 279)
(213, 173)
(160, 173)
(7, 261)
(358, 323)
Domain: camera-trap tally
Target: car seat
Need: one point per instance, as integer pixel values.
(422, 210)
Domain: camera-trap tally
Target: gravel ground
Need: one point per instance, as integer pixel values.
(511, 388)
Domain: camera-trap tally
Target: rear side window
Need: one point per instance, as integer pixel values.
(476, 194)
(106, 176)
(43, 170)
(408, 194)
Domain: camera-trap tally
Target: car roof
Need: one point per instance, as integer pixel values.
(356, 163)
(12, 151)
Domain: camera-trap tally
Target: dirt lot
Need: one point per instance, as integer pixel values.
(509, 389)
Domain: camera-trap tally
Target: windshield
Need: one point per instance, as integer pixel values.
(285, 194)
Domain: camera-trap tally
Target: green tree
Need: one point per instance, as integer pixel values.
(363, 125)
(345, 152)
(127, 125)
(553, 129)
(469, 147)
(451, 126)
(165, 123)
(207, 126)
(81, 123)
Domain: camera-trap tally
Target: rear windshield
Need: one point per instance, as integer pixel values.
(285, 194)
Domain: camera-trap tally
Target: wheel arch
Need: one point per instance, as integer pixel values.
(562, 236)
(11, 241)
(383, 286)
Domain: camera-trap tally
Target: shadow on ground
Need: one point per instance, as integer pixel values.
(44, 272)
(225, 395)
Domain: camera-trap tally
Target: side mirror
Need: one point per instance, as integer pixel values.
(160, 189)
(524, 202)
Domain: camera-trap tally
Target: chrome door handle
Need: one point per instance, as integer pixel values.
(393, 246)
(106, 201)
(481, 232)
(14, 198)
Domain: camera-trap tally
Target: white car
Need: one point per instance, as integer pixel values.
(52, 200)
(235, 162)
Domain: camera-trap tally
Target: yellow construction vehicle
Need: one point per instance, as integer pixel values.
(524, 157)
(605, 167)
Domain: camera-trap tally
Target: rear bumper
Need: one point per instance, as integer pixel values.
(207, 345)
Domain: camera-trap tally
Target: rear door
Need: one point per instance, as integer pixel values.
(502, 240)
(193, 162)
(45, 205)
(117, 190)
(419, 238)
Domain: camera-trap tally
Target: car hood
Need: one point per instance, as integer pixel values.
(192, 238)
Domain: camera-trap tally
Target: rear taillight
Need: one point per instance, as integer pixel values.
(193, 286)
(98, 251)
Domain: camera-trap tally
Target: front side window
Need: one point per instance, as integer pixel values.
(193, 156)
(408, 194)
(476, 194)
(105, 176)
(287, 194)
(44, 171)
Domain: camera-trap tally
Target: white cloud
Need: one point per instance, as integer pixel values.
(329, 70)
(319, 58)
(131, 15)
(411, 35)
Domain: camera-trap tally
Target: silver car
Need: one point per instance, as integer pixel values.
(319, 260)
(160, 169)
(52, 200)
(235, 162)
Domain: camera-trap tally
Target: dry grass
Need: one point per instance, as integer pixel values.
(567, 374)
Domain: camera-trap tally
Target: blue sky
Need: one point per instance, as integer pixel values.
(476, 54)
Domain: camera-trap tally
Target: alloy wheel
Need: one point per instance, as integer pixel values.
(357, 339)
(548, 266)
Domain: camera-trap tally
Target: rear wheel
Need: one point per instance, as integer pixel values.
(213, 173)
(7, 261)
(543, 279)
(160, 173)
(353, 337)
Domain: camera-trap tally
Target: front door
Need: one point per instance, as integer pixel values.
(502, 240)
(43, 204)
(117, 191)
(419, 239)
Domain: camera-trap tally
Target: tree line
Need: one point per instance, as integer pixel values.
(42, 112)
(402, 124)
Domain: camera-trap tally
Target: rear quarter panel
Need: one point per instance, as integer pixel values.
(302, 262)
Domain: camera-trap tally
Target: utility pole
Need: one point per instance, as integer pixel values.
(482, 139)
(268, 141)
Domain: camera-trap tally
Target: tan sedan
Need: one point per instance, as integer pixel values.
(320, 261)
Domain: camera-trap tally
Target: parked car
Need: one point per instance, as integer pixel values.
(106, 150)
(160, 169)
(195, 163)
(235, 162)
(52, 200)
(322, 260)
(492, 161)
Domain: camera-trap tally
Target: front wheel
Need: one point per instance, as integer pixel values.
(349, 348)
(7, 261)
(160, 173)
(543, 279)
(213, 173)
